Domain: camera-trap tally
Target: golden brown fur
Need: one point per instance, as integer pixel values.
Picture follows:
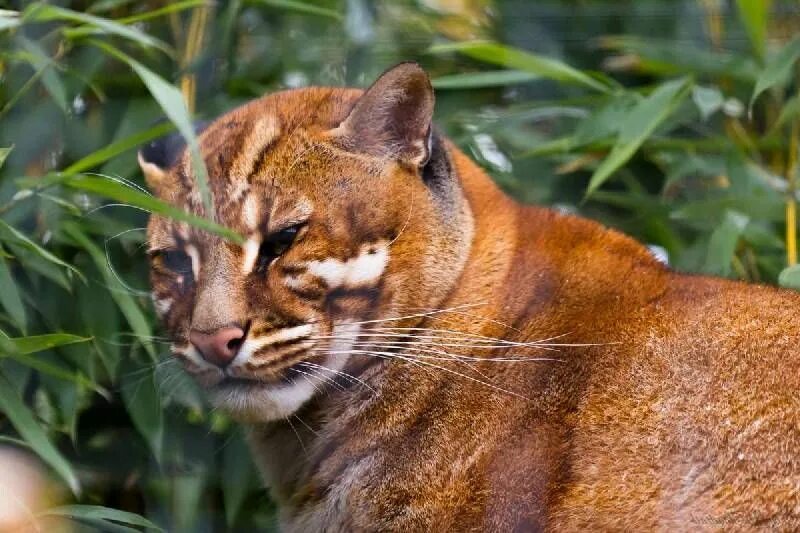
(547, 373)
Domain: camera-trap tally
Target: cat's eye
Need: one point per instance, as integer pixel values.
(274, 246)
(178, 262)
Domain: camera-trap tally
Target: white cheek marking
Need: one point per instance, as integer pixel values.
(366, 268)
(251, 346)
(192, 252)
(250, 212)
(250, 248)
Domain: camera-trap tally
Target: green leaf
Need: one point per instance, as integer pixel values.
(171, 101)
(237, 476)
(96, 512)
(11, 234)
(29, 429)
(44, 13)
(777, 70)
(139, 324)
(116, 148)
(639, 124)
(754, 15)
(790, 277)
(723, 242)
(10, 297)
(708, 100)
(39, 60)
(4, 154)
(39, 343)
(143, 403)
(789, 112)
(479, 80)
(116, 191)
(301, 7)
(508, 57)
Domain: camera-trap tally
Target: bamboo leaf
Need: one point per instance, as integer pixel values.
(38, 12)
(127, 305)
(777, 69)
(513, 58)
(479, 80)
(237, 476)
(10, 297)
(4, 152)
(116, 191)
(723, 241)
(754, 15)
(171, 101)
(96, 512)
(29, 429)
(143, 404)
(790, 277)
(119, 147)
(301, 7)
(638, 125)
(38, 343)
(11, 234)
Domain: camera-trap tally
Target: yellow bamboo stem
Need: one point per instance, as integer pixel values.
(192, 48)
(791, 203)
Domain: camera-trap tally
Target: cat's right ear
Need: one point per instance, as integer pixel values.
(158, 156)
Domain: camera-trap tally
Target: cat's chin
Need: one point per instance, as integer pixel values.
(251, 401)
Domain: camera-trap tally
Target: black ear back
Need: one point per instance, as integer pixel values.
(164, 151)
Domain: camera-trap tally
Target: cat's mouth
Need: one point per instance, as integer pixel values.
(282, 376)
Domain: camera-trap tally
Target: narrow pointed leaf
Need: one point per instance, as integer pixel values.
(514, 58)
(10, 298)
(479, 80)
(29, 429)
(302, 7)
(754, 15)
(171, 101)
(638, 125)
(118, 147)
(777, 70)
(11, 234)
(96, 512)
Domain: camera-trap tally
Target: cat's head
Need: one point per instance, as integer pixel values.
(352, 215)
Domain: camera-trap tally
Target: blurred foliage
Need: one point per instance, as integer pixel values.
(674, 121)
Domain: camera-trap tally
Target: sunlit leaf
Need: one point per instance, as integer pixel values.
(478, 80)
(29, 429)
(39, 12)
(171, 101)
(96, 512)
(777, 69)
(638, 125)
(38, 343)
(754, 15)
(504, 56)
(4, 154)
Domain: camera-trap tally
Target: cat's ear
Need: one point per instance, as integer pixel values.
(156, 158)
(393, 117)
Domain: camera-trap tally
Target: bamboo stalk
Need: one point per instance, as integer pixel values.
(193, 45)
(791, 202)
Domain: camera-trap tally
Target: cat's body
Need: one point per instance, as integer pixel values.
(512, 369)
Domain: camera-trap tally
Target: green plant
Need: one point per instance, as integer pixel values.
(691, 148)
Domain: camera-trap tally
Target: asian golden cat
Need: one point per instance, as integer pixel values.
(411, 350)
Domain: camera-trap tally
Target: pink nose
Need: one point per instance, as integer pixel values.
(218, 348)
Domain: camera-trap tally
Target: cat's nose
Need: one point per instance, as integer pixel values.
(218, 348)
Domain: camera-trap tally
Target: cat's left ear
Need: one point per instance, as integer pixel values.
(393, 117)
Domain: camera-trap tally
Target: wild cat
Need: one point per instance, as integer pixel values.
(412, 350)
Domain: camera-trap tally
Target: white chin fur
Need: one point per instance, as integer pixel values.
(276, 402)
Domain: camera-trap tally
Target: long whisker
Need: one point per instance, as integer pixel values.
(339, 372)
(416, 315)
(392, 355)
